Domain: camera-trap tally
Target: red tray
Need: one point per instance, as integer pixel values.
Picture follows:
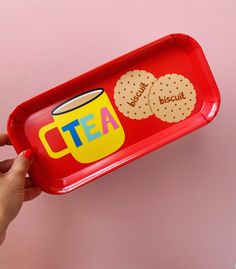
(115, 113)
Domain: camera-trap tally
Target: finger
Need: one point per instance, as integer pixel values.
(22, 163)
(6, 165)
(31, 193)
(4, 139)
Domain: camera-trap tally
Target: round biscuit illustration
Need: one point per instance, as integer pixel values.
(172, 98)
(131, 94)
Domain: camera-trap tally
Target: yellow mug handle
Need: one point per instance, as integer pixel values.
(51, 153)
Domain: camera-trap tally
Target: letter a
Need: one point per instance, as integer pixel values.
(106, 119)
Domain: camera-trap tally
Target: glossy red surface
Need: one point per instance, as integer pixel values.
(177, 53)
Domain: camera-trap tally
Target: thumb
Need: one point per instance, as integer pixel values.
(22, 163)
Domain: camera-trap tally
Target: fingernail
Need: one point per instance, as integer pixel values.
(28, 154)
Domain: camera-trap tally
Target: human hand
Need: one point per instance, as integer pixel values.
(15, 187)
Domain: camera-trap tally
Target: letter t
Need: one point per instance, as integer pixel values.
(71, 128)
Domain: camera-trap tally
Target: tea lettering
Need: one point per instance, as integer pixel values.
(89, 128)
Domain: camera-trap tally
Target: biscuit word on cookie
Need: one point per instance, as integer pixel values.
(138, 94)
(172, 98)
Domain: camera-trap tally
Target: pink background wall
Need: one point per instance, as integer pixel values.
(174, 208)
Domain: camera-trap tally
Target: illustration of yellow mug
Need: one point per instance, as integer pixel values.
(89, 126)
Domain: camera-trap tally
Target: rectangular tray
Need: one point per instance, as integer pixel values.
(115, 113)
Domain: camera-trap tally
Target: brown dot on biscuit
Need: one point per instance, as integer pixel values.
(118, 92)
(177, 88)
(185, 104)
(144, 112)
(147, 77)
(181, 80)
(186, 85)
(144, 97)
(175, 104)
(174, 82)
(134, 84)
(123, 97)
(154, 104)
(164, 115)
(139, 106)
(172, 110)
(173, 117)
(120, 104)
(179, 108)
(127, 112)
(139, 75)
(188, 108)
(167, 85)
(161, 90)
(157, 109)
(131, 91)
(169, 91)
(169, 77)
(121, 82)
(132, 76)
(190, 92)
(160, 83)
(128, 82)
(182, 113)
(190, 100)
(165, 108)
(124, 89)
